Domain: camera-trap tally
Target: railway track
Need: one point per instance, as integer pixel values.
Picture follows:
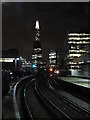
(37, 99)
(77, 99)
(18, 98)
(34, 105)
(84, 93)
(67, 100)
(28, 105)
(62, 107)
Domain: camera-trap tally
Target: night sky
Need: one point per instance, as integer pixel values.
(18, 21)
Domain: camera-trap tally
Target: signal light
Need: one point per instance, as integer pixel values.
(51, 75)
(56, 71)
(33, 65)
(51, 69)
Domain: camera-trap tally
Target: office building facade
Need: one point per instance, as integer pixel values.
(78, 53)
(54, 58)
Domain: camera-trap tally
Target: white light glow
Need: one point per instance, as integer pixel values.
(37, 24)
(74, 55)
(80, 42)
(75, 66)
(40, 56)
(52, 56)
(17, 58)
(10, 73)
(74, 69)
(78, 34)
(81, 62)
(78, 38)
(37, 49)
(72, 63)
(70, 51)
(6, 59)
(52, 53)
(56, 71)
(52, 65)
(20, 57)
(72, 47)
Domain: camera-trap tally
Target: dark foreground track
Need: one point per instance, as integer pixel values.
(20, 98)
(38, 99)
(70, 96)
(35, 107)
(62, 107)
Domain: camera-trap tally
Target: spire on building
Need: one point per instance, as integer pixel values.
(37, 24)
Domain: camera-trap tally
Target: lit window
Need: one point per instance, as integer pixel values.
(6, 59)
(74, 55)
(80, 42)
(77, 51)
(52, 56)
(37, 24)
(37, 49)
(53, 53)
(40, 56)
(36, 38)
(78, 34)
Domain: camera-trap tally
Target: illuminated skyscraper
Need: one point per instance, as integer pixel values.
(54, 58)
(78, 55)
(37, 51)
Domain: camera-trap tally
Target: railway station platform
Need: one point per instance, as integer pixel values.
(85, 82)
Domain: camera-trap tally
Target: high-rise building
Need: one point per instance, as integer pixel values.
(54, 58)
(78, 55)
(37, 51)
(25, 64)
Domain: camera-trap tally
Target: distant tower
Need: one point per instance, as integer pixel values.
(37, 51)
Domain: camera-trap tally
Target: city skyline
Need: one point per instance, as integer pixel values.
(56, 19)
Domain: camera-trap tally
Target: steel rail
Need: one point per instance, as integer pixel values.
(17, 114)
(51, 104)
(41, 91)
(31, 117)
(74, 105)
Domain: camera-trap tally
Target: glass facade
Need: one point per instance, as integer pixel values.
(78, 53)
(53, 59)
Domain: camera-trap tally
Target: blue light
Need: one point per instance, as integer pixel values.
(34, 65)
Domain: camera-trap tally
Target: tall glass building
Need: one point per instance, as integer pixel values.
(54, 58)
(78, 55)
(37, 51)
